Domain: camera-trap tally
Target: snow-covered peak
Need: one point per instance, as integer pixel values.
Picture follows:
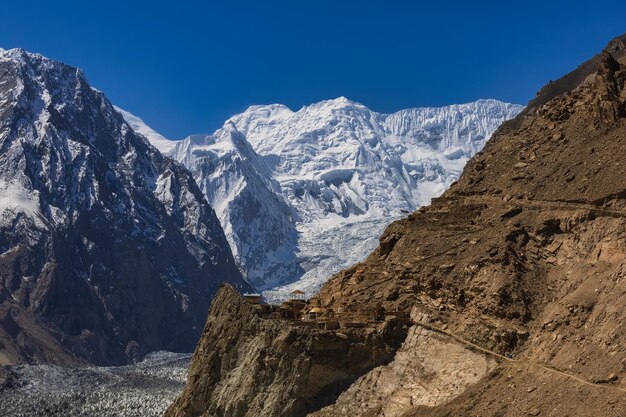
(90, 211)
(238, 183)
(155, 138)
(336, 170)
(458, 129)
(37, 63)
(266, 110)
(18, 54)
(227, 140)
(334, 104)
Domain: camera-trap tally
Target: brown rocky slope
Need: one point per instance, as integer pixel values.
(515, 279)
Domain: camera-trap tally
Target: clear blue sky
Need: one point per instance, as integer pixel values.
(186, 66)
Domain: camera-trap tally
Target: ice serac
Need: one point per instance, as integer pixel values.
(108, 250)
(513, 278)
(329, 178)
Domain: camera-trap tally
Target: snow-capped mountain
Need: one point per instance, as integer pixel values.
(334, 172)
(107, 249)
(259, 223)
(337, 156)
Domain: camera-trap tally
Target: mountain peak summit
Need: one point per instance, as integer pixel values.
(324, 174)
(103, 231)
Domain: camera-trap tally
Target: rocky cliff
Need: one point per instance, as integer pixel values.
(108, 250)
(249, 364)
(514, 278)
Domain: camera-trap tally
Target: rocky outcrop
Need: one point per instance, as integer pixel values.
(515, 275)
(108, 250)
(429, 369)
(248, 364)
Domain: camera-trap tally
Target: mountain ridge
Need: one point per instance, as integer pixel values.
(330, 171)
(108, 249)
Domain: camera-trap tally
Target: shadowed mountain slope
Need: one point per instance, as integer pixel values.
(108, 250)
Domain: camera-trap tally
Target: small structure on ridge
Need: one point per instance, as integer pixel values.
(297, 295)
(253, 298)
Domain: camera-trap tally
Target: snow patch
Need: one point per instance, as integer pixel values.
(15, 199)
(157, 140)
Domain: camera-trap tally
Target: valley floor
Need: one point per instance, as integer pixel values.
(144, 389)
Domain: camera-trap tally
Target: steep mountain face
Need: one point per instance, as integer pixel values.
(108, 249)
(238, 183)
(514, 278)
(327, 178)
(256, 366)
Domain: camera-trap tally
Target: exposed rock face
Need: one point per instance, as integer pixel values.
(248, 365)
(108, 250)
(429, 369)
(515, 277)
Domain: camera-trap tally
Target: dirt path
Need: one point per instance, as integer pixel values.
(519, 361)
(543, 204)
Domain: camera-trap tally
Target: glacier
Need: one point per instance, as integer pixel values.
(303, 194)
